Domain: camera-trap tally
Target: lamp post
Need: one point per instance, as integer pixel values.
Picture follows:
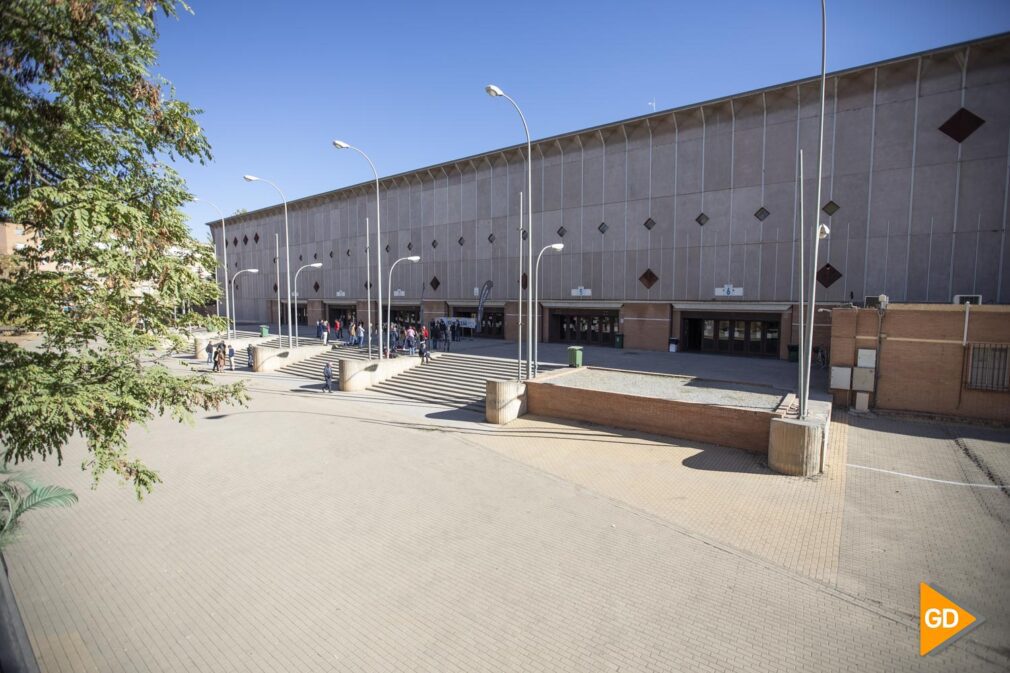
(414, 259)
(341, 145)
(557, 247)
(224, 241)
(235, 304)
(314, 265)
(822, 232)
(287, 248)
(496, 92)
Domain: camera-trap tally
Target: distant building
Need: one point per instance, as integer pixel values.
(684, 223)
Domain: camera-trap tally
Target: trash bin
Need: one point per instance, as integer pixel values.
(673, 345)
(575, 356)
(264, 330)
(794, 353)
(618, 340)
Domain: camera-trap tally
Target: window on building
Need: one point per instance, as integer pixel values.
(987, 367)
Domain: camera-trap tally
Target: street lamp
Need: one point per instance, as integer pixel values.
(235, 304)
(822, 232)
(287, 248)
(341, 145)
(224, 241)
(496, 92)
(556, 247)
(314, 265)
(414, 259)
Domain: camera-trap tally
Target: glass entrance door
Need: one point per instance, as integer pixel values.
(736, 335)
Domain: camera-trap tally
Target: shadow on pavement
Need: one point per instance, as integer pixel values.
(723, 459)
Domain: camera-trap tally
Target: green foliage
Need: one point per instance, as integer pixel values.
(20, 494)
(84, 131)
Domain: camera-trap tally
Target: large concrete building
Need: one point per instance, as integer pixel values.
(684, 223)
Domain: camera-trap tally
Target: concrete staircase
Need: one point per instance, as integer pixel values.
(451, 380)
(312, 368)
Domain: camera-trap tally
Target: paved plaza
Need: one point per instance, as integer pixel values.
(360, 532)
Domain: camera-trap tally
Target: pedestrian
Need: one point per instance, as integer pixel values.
(411, 340)
(328, 377)
(425, 353)
(219, 359)
(231, 357)
(210, 353)
(336, 329)
(361, 334)
(249, 355)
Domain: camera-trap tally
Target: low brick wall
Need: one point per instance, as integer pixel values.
(746, 429)
(271, 359)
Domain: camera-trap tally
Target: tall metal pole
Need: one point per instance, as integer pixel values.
(224, 245)
(519, 295)
(280, 324)
(821, 232)
(389, 299)
(801, 341)
(314, 265)
(817, 205)
(368, 287)
(287, 249)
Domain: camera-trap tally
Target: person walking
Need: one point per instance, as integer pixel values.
(411, 340)
(231, 357)
(424, 351)
(210, 353)
(328, 377)
(361, 335)
(249, 355)
(219, 358)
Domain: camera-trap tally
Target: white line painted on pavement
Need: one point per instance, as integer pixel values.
(938, 481)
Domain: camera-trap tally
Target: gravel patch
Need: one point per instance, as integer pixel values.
(682, 389)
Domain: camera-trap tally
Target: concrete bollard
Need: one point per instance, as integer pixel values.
(506, 401)
(794, 446)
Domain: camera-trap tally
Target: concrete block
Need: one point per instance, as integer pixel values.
(363, 374)
(794, 446)
(866, 357)
(506, 401)
(862, 402)
(266, 359)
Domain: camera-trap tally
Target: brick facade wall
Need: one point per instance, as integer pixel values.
(921, 356)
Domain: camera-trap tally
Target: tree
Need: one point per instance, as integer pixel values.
(19, 494)
(85, 132)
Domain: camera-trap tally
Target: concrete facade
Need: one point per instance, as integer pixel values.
(921, 217)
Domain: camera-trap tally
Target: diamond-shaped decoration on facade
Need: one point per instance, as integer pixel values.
(831, 208)
(827, 275)
(300, 258)
(235, 241)
(348, 252)
(562, 231)
(435, 282)
(649, 224)
(490, 238)
(256, 238)
(648, 279)
(315, 286)
(236, 265)
(387, 247)
(315, 255)
(367, 285)
(410, 246)
(524, 281)
(962, 124)
(434, 244)
(461, 240)
(245, 240)
(761, 214)
(701, 219)
(526, 234)
(603, 227)
(275, 287)
(331, 254)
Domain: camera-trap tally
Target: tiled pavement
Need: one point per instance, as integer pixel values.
(319, 533)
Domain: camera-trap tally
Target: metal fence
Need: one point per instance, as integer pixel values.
(986, 367)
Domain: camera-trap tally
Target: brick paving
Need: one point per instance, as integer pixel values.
(325, 533)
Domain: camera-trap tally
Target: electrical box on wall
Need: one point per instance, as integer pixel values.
(862, 402)
(841, 378)
(866, 357)
(862, 379)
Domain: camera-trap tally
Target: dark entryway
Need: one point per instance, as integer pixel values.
(492, 323)
(732, 334)
(584, 326)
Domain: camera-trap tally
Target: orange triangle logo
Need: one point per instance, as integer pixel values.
(940, 619)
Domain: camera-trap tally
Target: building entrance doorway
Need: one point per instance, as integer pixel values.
(736, 335)
(595, 328)
(492, 321)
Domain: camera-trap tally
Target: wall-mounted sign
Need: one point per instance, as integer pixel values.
(728, 291)
(581, 292)
(476, 292)
(341, 293)
(399, 293)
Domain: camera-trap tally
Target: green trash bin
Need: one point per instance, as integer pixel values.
(618, 340)
(794, 353)
(264, 330)
(575, 356)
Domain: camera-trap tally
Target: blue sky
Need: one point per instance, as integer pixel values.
(277, 81)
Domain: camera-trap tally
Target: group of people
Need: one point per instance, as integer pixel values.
(221, 353)
(352, 332)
